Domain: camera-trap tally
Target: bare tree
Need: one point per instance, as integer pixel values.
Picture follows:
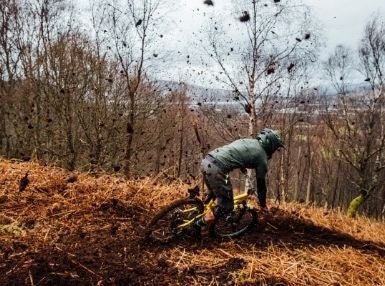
(129, 27)
(358, 122)
(276, 46)
(9, 69)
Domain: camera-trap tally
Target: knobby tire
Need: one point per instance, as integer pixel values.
(237, 227)
(170, 231)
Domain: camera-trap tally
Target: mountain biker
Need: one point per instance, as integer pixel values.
(241, 154)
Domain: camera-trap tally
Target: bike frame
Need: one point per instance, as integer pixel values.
(239, 200)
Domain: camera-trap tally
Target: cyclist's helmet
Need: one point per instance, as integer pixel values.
(270, 140)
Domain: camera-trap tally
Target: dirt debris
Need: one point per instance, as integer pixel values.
(69, 228)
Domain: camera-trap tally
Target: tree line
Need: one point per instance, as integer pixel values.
(86, 99)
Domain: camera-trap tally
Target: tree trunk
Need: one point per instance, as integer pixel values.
(333, 203)
(157, 157)
(4, 117)
(3, 132)
(182, 115)
(70, 136)
(129, 134)
(72, 156)
(281, 180)
(286, 169)
(180, 155)
(128, 150)
(309, 179)
(37, 145)
(249, 185)
(296, 187)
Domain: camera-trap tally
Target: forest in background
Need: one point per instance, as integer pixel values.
(88, 101)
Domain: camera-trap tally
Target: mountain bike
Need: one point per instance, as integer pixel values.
(178, 218)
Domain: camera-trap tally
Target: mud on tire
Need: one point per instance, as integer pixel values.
(163, 228)
(235, 225)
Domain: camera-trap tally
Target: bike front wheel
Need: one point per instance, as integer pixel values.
(171, 221)
(241, 220)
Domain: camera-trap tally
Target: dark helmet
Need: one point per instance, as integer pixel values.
(270, 140)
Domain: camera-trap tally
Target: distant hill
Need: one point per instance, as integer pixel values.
(200, 93)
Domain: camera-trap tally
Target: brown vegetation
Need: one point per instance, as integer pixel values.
(72, 228)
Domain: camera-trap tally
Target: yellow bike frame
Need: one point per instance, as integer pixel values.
(238, 201)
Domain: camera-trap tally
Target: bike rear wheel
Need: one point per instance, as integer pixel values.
(240, 221)
(167, 224)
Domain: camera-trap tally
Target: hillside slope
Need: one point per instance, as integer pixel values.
(75, 229)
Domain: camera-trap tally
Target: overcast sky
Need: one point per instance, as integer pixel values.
(342, 21)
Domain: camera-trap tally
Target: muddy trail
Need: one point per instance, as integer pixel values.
(75, 229)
